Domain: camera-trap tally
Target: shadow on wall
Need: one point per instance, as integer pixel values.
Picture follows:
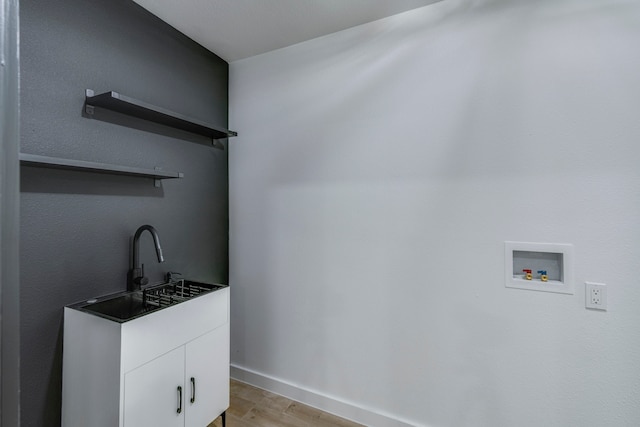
(54, 385)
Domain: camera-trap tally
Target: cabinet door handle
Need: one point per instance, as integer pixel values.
(179, 399)
(193, 389)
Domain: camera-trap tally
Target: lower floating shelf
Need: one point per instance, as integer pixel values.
(81, 165)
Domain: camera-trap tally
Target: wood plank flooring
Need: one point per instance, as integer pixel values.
(253, 407)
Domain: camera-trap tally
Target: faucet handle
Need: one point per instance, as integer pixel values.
(141, 281)
(170, 275)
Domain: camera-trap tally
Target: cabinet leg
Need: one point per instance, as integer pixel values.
(224, 419)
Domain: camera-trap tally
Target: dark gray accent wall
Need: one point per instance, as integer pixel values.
(76, 226)
(9, 216)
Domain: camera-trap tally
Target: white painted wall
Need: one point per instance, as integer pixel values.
(379, 171)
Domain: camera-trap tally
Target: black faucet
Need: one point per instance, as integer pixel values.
(136, 277)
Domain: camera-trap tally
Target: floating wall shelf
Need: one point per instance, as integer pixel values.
(135, 108)
(80, 165)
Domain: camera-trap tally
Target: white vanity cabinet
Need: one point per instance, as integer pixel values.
(168, 368)
(187, 394)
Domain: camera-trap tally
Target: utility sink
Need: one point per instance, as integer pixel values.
(125, 306)
(122, 307)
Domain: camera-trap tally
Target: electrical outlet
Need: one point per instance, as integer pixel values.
(596, 296)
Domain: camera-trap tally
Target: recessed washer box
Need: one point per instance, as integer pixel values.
(556, 259)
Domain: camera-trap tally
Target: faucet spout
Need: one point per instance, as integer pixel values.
(136, 274)
(136, 244)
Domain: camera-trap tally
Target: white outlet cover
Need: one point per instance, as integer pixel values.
(595, 296)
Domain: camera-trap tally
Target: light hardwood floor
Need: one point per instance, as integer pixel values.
(253, 407)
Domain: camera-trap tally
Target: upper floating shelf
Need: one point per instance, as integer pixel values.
(133, 107)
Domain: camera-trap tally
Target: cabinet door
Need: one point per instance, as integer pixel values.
(154, 391)
(207, 377)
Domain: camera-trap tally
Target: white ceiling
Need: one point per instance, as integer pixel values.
(237, 29)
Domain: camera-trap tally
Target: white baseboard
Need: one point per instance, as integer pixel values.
(331, 404)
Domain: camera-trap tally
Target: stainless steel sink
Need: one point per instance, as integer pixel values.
(126, 306)
(122, 307)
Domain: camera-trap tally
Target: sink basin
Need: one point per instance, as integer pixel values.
(130, 305)
(123, 307)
